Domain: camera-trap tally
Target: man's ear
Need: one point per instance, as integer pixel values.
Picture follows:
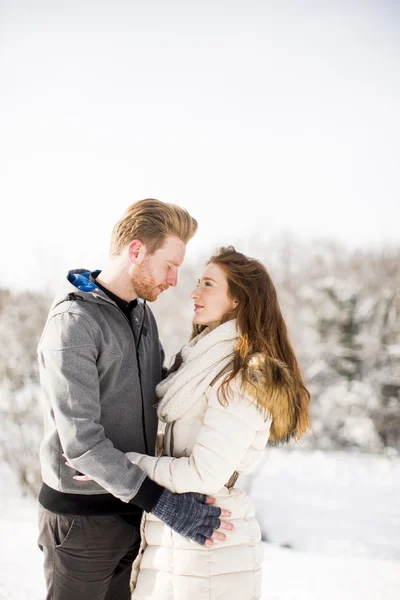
(133, 250)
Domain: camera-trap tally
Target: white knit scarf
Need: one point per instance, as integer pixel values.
(204, 357)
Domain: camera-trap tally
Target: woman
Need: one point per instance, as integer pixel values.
(235, 386)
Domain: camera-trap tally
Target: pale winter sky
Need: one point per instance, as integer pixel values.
(258, 116)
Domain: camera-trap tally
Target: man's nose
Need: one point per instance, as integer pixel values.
(172, 278)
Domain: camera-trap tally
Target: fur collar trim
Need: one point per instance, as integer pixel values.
(271, 384)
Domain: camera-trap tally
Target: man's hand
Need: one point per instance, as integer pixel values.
(189, 514)
(192, 516)
(80, 477)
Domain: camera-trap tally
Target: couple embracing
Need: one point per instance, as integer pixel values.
(124, 512)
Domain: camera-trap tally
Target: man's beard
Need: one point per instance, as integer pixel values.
(144, 283)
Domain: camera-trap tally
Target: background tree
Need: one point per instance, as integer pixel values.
(342, 309)
(22, 317)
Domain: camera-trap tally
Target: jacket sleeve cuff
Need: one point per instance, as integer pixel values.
(147, 495)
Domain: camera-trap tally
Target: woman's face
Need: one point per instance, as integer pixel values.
(211, 297)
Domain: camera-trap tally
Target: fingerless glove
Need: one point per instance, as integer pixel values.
(188, 514)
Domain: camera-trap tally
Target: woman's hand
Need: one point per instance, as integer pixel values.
(77, 477)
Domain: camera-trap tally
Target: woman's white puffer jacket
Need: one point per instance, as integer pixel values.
(208, 444)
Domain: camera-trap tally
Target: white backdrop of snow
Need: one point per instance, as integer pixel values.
(340, 512)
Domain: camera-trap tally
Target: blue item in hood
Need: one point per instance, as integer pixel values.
(82, 281)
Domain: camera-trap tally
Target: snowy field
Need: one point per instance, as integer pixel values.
(332, 503)
(340, 513)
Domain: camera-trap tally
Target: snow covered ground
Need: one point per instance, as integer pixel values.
(339, 512)
(333, 503)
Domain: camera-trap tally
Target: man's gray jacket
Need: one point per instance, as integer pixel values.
(98, 375)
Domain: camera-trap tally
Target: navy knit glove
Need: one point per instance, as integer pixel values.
(188, 514)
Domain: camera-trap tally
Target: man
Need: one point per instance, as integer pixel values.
(100, 360)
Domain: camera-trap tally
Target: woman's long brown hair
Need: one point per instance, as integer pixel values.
(263, 332)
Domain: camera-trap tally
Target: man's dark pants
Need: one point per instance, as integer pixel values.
(87, 558)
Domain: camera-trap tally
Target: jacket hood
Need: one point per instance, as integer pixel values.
(80, 278)
(271, 384)
(79, 282)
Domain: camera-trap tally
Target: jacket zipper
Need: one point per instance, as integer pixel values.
(146, 445)
(140, 379)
